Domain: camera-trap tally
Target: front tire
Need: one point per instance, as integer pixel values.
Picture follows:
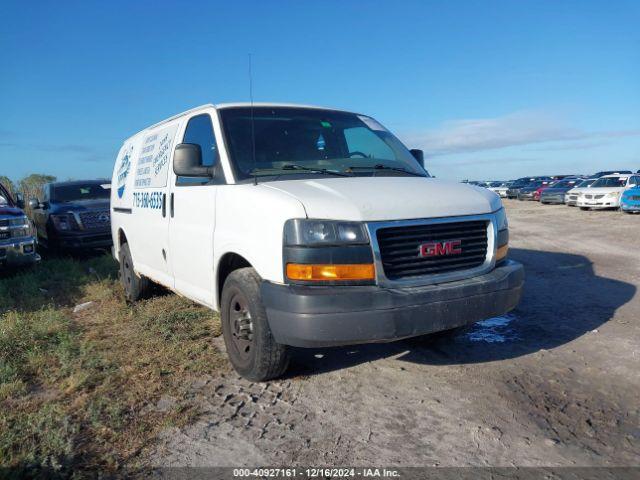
(584, 208)
(135, 286)
(251, 348)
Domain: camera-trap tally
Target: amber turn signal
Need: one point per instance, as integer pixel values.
(502, 252)
(315, 273)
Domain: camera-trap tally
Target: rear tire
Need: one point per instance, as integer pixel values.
(251, 348)
(135, 286)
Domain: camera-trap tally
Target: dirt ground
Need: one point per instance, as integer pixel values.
(555, 383)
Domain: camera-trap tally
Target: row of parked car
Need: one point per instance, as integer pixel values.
(602, 190)
(73, 216)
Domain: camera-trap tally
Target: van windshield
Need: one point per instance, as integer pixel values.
(74, 193)
(303, 141)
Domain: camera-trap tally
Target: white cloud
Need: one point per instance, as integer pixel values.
(519, 128)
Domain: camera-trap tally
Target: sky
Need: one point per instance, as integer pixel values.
(489, 89)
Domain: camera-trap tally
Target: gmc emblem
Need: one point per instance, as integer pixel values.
(438, 249)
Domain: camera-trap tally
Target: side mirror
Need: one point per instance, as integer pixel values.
(187, 161)
(418, 155)
(33, 203)
(19, 200)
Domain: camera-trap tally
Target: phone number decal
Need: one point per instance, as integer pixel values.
(151, 200)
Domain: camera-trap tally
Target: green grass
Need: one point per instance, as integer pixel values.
(75, 389)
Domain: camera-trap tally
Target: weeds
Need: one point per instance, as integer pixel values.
(79, 390)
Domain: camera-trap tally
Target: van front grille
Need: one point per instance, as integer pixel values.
(400, 248)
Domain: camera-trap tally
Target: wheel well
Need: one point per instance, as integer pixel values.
(228, 263)
(122, 238)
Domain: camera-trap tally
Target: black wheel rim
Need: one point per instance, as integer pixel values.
(126, 273)
(240, 326)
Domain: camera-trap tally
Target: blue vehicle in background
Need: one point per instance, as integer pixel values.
(630, 200)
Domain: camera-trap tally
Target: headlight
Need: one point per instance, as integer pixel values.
(64, 222)
(61, 222)
(613, 194)
(309, 232)
(501, 220)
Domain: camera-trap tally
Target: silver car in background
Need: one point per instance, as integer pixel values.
(571, 197)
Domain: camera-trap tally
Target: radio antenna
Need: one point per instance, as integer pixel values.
(253, 129)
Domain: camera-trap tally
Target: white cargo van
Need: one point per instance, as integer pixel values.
(307, 227)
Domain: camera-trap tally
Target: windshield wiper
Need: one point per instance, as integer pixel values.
(379, 166)
(292, 166)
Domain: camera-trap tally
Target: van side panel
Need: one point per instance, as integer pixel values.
(121, 190)
(140, 199)
(249, 222)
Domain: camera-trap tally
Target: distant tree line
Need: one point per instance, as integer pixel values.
(30, 186)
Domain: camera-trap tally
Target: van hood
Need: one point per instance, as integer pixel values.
(387, 198)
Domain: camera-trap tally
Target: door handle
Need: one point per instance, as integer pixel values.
(171, 210)
(164, 205)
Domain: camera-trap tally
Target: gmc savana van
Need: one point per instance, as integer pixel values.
(305, 227)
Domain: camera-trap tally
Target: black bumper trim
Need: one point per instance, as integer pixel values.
(84, 240)
(328, 316)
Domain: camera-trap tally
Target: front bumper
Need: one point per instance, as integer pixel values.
(18, 253)
(526, 196)
(630, 205)
(552, 198)
(599, 203)
(571, 200)
(80, 241)
(304, 316)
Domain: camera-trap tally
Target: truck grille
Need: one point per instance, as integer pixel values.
(399, 248)
(95, 220)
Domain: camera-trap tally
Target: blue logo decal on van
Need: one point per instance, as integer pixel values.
(123, 171)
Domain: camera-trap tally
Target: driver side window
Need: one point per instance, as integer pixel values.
(199, 131)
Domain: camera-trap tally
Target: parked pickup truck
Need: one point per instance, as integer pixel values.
(74, 215)
(305, 227)
(17, 239)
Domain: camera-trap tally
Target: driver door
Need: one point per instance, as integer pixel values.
(192, 207)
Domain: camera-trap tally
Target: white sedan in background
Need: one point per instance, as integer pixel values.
(605, 192)
(571, 197)
(500, 188)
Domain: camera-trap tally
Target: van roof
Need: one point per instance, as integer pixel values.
(622, 175)
(221, 106)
